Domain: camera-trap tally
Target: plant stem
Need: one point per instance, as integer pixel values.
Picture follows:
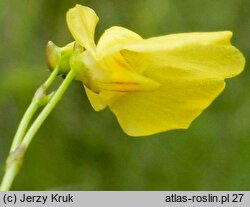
(13, 164)
(34, 105)
(51, 78)
(23, 125)
(15, 158)
(48, 108)
(9, 177)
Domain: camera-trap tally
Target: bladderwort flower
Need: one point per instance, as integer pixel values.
(151, 85)
(156, 84)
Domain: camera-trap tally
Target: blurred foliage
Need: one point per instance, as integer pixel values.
(79, 149)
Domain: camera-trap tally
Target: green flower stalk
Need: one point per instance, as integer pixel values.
(59, 59)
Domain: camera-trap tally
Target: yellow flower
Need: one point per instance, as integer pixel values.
(156, 84)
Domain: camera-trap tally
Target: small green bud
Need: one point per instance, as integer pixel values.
(59, 56)
(53, 55)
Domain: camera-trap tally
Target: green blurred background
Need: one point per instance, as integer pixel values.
(80, 149)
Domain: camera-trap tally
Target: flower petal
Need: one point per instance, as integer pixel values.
(175, 105)
(191, 69)
(115, 84)
(95, 99)
(119, 76)
(194, 53)
(113, 39)
(82, 21)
